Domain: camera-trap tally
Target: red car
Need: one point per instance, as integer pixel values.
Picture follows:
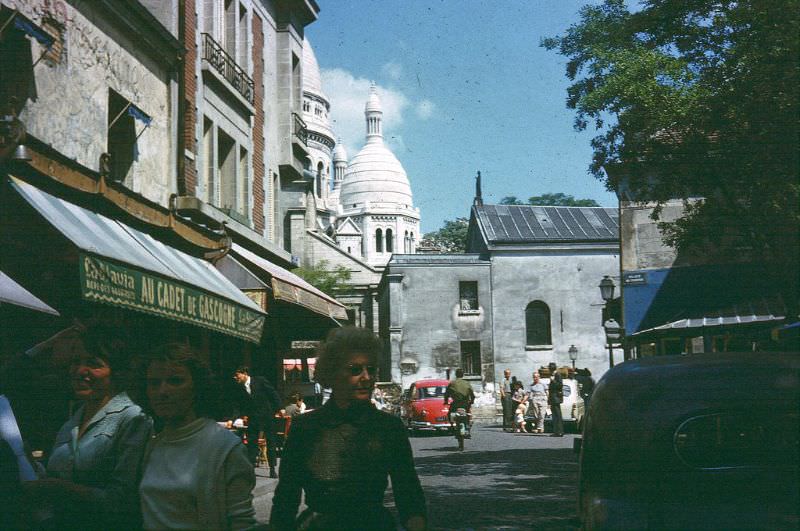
(423, 406)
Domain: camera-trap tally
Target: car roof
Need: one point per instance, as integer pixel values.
(431, 382)
(671, 386)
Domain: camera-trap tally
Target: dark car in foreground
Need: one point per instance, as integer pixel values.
(707, 441)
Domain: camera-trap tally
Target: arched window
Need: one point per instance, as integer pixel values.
(379, 241)
(406, 244)
(537, 324)
(412, 244)
(319, 179)
(389, 241)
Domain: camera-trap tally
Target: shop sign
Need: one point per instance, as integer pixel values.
(304, 345)
(632, 279)
(109, 282)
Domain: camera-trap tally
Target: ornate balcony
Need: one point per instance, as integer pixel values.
(227, 68)
(299, 129)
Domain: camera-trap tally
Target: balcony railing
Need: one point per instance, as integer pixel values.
(300, 129)
(227, 67)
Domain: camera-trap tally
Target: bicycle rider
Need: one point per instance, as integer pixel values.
(461, 392)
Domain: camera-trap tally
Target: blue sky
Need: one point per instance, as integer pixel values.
(465, 87)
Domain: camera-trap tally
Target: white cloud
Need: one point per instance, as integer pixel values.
(425, 109)
(392, 70)
(348, 95)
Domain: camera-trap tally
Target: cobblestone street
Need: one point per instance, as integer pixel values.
(501, 481)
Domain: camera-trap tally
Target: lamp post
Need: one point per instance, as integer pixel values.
(613, 334)
(573, 354)
(607, 288)
(611, 327)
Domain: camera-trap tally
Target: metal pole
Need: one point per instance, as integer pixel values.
(610, 356)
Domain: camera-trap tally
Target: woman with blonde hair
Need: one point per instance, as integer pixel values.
(342, 454)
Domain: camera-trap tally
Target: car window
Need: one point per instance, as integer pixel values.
(723, 441)
(567, 390)
(431, 392)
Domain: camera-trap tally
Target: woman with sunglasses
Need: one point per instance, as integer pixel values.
(342, 454)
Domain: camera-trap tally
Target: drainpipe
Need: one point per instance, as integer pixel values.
(181, 142)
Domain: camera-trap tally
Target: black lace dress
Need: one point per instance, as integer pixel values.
(342, 460)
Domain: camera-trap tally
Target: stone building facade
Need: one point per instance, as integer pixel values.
(525, 292)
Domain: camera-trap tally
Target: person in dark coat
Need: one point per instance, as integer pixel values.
(555, 396)
(258, 402)
(343, 454)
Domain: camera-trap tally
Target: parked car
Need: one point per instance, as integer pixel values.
(392, 396)
(572, 408)
(423, 406)
(707, 441)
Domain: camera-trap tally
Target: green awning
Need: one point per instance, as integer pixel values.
(124, 267)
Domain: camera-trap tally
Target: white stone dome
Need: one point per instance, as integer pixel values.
(316, 115)
(312, 80)
(339, 152)
(375, 175)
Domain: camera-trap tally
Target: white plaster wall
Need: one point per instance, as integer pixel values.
(70, 111)
(568, 283)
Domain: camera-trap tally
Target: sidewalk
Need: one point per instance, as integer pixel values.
(263, 492)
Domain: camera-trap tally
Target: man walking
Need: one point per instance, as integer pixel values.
(259, 401)
(555, 396)
(505, 400)
(538, 394)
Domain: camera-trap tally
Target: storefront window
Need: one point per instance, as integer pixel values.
(299, 370)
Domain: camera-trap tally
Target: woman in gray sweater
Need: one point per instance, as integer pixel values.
(196, 473)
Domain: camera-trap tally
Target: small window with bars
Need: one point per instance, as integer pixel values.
(468, 295)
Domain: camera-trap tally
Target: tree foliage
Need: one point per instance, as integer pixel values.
(451, 238)
(695, 99)
(560, 199)
(511, 200)
(557, 199)
(319, 275)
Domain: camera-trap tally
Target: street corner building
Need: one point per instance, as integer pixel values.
(521, 296)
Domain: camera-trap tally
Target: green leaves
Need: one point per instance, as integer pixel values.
(329, 281)
(695, 99)
(451, 238)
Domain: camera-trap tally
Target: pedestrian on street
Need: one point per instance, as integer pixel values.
(258, 401)
(518, 395)
(342, 454)
(505, 400)
(538, 399)
(519, 416)
(296, 408)
(586, 385)
(196, 473)
(555, 396)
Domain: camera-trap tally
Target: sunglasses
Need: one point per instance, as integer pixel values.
(356, 369)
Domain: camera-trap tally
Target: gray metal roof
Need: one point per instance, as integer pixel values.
(526, 223)
(425, 258)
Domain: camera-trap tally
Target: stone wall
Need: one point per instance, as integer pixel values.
(567, 281)
(69, 109)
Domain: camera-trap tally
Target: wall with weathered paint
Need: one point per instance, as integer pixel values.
(567, 281)
(426, 324)
(68, 108)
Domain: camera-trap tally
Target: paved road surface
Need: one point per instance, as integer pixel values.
(501, 481)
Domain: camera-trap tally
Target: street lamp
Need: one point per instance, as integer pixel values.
(613, 335)
(607, 288)
(573, 354)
